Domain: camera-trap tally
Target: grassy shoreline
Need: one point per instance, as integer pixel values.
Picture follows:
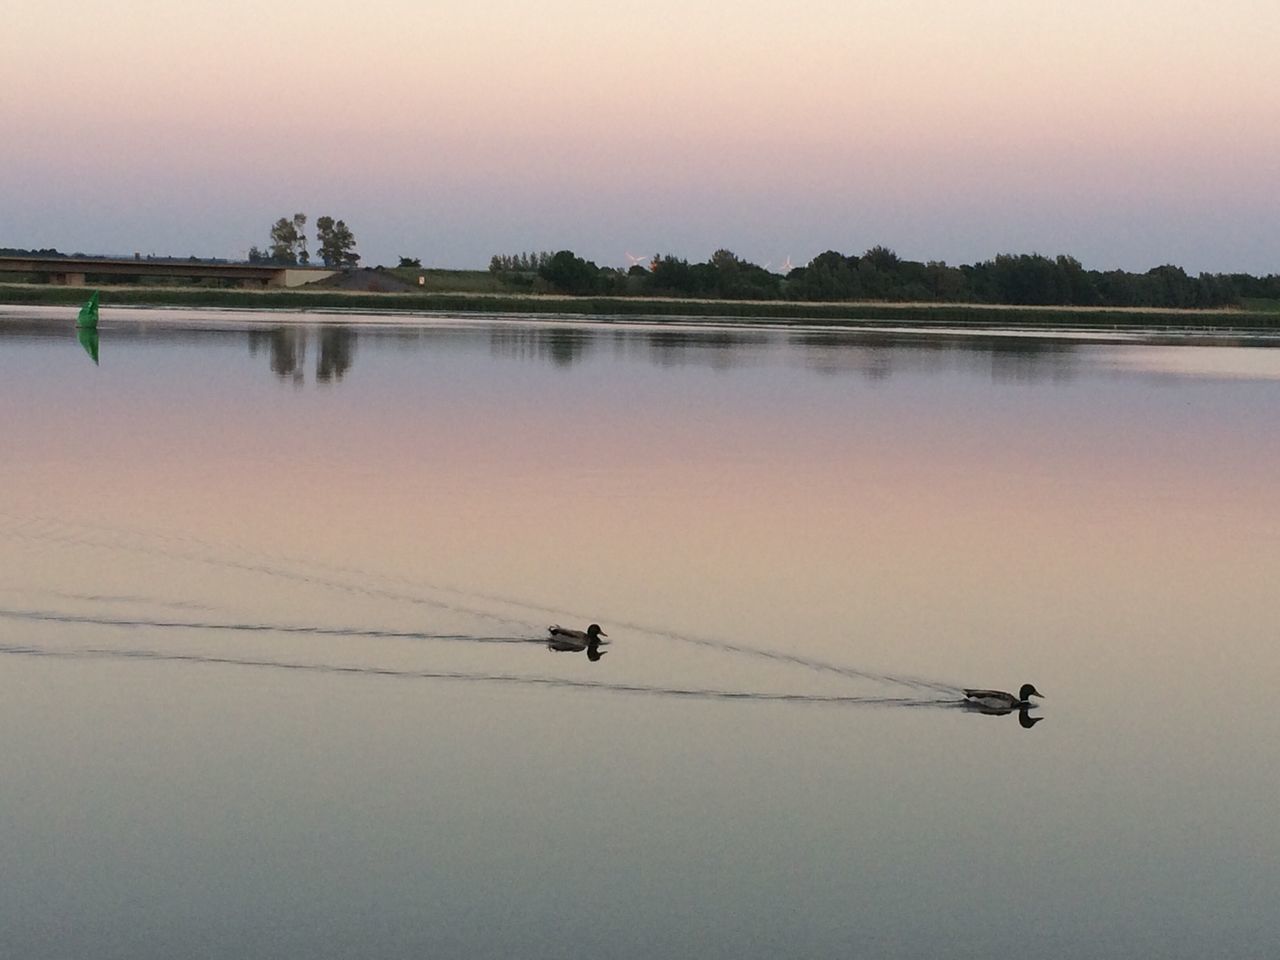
(959, 315)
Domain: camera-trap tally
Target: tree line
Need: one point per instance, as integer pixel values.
(335, 243)
(47, 252)
(880, 274)
(519, 262)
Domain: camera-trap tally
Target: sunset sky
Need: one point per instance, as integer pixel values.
(1129, 133)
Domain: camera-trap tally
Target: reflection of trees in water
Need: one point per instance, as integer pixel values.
(563, 346)
(833, 353)
(1028, 360)
(337, 349)
(876, 356)
(718, 349)
(287, 346)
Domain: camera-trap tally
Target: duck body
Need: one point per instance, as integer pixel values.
(1000, 701)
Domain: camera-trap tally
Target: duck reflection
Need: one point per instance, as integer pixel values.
(1025, 720)
(591, 648)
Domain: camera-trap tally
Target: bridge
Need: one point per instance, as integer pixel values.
(75, 271)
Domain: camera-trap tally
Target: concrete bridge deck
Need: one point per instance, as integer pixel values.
(74, 271)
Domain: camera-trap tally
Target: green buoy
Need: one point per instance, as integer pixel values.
(89, 314)
(87, 327)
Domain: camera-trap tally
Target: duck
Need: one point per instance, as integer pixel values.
(562, 640)
(998, 700)
(580, 638)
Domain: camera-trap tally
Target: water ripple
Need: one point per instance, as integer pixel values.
(693, 693)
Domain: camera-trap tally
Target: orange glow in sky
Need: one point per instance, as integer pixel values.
(1127, 133)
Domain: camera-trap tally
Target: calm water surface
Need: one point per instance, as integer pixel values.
(271, 682)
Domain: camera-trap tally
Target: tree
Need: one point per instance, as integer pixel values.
(878, 273)
(1079, 286)
(530, 262)
(829, 276)
(568, 273)
(671, 274)
(882, 258)
(324, 241)
(738, 279)
(1170, 286)
(283, 240)
(299, 228)
(410, 262)
(335, 243)
(946, 283)
(288, 242)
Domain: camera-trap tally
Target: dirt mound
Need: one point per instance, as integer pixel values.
(371, 280)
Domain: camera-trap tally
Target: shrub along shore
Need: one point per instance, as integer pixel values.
(961, 315)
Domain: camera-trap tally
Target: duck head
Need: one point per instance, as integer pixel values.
(594, 632)
(1027, 692)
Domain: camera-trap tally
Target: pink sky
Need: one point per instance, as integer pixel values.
(1128, 133)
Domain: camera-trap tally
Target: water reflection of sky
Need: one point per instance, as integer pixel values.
(1096, 518)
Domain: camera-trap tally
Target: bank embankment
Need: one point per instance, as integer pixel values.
(653, 309)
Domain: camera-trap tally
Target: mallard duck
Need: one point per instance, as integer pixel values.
(1001, 701)
(562, 640)
(561, 634)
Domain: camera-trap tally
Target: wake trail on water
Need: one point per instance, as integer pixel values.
(260, 566)
(689, 693)
(409, 591)
(123, 598)
(51, 616)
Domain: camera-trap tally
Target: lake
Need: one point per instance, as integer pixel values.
(274, 683)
